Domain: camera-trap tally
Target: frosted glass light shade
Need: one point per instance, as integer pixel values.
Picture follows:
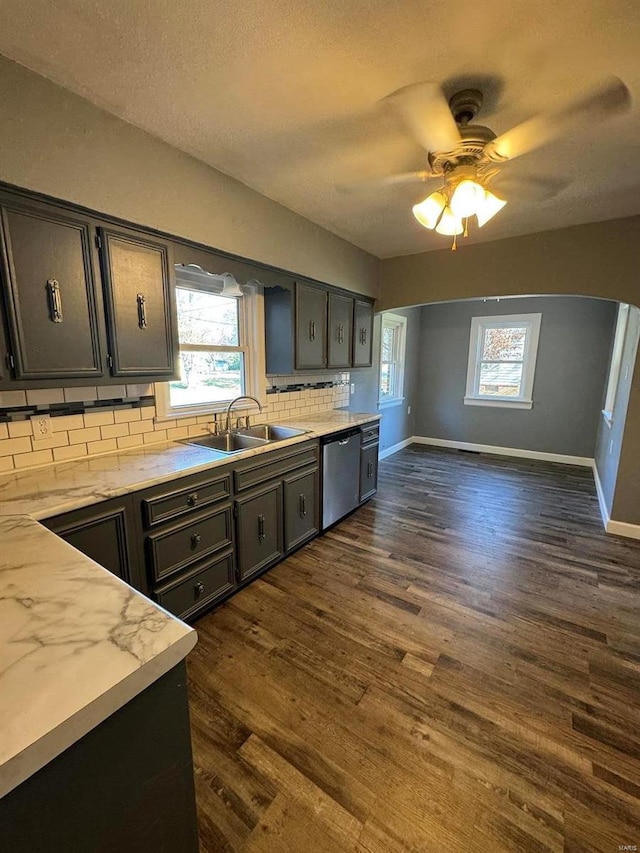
(466, 198)
(428, 212)
(490, 205)
(449, 224)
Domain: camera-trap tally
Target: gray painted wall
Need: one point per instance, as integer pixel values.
(612, 439)
(573, 357)
(397, 424)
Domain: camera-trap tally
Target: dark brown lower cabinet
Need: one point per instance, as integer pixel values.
(105, 533)
(259, 529)
(368, 470)
(301, 508)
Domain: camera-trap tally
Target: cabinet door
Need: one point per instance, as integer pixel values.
(50, 293)
(340, 330)
(362, 334)
(301, 508)
(259, 538)
(368, 471)
(102, 532)
(311, 327)
(137, 275)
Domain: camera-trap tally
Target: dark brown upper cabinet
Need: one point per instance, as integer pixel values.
(50, 292)
(362, 334)
(137, 274)
(311, 327)
(340, 330)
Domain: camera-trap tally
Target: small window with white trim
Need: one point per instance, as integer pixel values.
(502, 360)
(616, 362)
(217, 318)
(392, 352)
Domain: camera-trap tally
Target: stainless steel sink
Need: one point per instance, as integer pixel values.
(245, 439)
(271, 432)
(231, 442)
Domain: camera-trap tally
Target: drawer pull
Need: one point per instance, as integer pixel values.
(192, 498)
(261, 531)
(303, 506)
(196, 539)
(370, 470)
(198, 589)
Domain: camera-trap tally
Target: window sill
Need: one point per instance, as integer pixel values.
(501, 403)
(389, 404)
(608, 418)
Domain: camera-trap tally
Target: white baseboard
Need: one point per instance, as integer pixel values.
(584, 461)
(618, 528)
(396, 447)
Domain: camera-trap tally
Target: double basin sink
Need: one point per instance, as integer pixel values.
(245, 439)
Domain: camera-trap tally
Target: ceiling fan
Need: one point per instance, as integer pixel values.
(467, 157)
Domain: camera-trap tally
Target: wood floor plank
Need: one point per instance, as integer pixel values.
(456, 666)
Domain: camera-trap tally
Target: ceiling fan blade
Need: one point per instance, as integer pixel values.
(537, 188)
(610, 97)
(425, 111)
(388, 181)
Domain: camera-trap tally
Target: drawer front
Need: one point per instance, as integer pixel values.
(175, 548)
(203, 585)
(274, 464)
(370, 432)
(173, 504)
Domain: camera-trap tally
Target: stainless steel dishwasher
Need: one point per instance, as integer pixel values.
(340, 475)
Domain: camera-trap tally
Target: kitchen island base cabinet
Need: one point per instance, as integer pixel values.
(127, 786)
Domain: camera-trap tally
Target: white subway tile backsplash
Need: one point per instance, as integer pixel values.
(67, 422)
(103, 417)
(20, 429)
(80, 436)
(45, 396)
(86, 394)
(111, 392)
(12, 399)
(75, 451)
(13, 446)
(30, 460)
(101, 446)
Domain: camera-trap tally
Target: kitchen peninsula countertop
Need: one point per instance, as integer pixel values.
(76, 642)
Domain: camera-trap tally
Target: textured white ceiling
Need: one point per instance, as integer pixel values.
(285, 96)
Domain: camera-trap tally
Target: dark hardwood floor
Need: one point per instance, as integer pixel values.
(455, 667)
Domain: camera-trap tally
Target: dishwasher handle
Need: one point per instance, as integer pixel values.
(341, 437)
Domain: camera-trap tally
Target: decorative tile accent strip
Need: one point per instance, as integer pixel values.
(23, 413)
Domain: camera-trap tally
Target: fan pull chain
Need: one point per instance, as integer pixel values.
(454, 245)
(466, 226)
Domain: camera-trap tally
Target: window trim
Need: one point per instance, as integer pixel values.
(617, 352)
(478, 326)
(397, 321)
(251, 345)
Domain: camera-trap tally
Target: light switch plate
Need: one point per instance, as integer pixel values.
(41, 426)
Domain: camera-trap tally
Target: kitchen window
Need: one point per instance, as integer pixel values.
(502, 360)
(392, 352)
(215, 330)
(616, 362)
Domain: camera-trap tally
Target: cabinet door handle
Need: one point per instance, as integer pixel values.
(142, 310)
(196, 539)
(303, 506)
(192, 499)
(340, 334)
(370, 470)
(261, 532)
(363, 336)
(312, 330)
(198, 589)
(55, 300)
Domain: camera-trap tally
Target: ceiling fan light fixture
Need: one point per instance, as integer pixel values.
(429, 211)
(490, 205)
(449, 225)
(466, 198)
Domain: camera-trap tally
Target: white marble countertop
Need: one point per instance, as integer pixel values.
(54, 489)
(76, 644)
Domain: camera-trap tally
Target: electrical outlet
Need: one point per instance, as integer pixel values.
(41, 426)
(353, 387)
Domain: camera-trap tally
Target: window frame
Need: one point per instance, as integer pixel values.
(251, 345)
(524, 400)
(399, 323)
(617, 352)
